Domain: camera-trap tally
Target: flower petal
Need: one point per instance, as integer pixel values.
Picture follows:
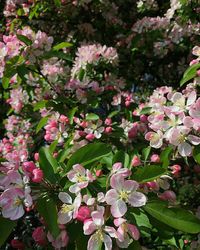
(111, 196)
(65, 197)
(118, 209)
(137, 199)
(184, 149)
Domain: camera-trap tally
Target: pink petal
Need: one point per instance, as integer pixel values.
(111, 196)
(184, 149)
(117, 181)
(64, 218)
(89, 227)
(94, 243)
(134, 232)
(191, 98)
(107, 242)
(119, 221)
(130, 185)
(195, 140)
(137, 199)
(98, 218)
(118, 209)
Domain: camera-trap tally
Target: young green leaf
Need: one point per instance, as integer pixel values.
(41, 123)
(48, 210)
(89, 153)
(190, 73)
(62, 45)
(24, 39)
(6, 227)
(177, 218)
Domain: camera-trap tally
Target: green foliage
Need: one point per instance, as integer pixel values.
(177, 218)
(190, 73)
(46, 206)
(90, 153)
(6, 227)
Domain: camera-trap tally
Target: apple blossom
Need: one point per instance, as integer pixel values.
(122, 192)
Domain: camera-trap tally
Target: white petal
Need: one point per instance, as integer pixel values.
(118, 209)
(184, 149)
(65, 198)
(137, 199)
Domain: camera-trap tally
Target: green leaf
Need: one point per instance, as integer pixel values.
(24, 39)
(146, 152)
(58, 54)
(89, 153)
(6, 227)
(165, 156)
(57, 3)
(190, 73)
(48, 164)
(62, 45)
(71, 114)
(52, 147)
(135, 245)
(145, 111)
(39, 105)
(196, 154)
(41, 123)
(92, 116)
(5, 82)
(48, 210)
(177, 218)
(148, 173)
(113, 113)
(122, 157)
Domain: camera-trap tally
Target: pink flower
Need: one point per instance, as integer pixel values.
(17, 244)
(168, 195)
(69, 209)
(124, 231)
(118, 169)
(61, 241)
(135, 161)
(123, 192)
(156, 139)
(39, 236)
(155, 158)
(37, 175)
(83, 213)
(81, 177)
(11, 202)
(96, 225)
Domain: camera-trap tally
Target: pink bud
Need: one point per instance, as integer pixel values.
(99, 172)
(152, 185)
(143, 118)
(108, 121)
(84, 124)
(135, 113)
(64, 119)
(90, 137)
(28, 166)
(108, 130)
(83, 213)
(37, 175)
(17, 244)
(133, 131)
(168, 195)
(195, 61)
(39, 236)
(55, 154)
(155, 158)
(176, 170)
(36, 156)
(127, 103)
(135, 234)
(135, 161)
(198, 72)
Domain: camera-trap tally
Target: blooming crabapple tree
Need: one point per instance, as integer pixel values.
(82, 153)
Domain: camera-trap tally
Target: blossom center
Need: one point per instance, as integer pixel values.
(124, 195)
(18, 202)
(66, 208)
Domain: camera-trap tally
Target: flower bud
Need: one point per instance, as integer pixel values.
(37, 175)
(36, 156)
(143, 118)
(83, 213)
(90, 137)
(28, 166)
(108, 121)
(39, 236)
(135, 161)
(155, 158)
(168, 195)
(17, 244)
(108, 130)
